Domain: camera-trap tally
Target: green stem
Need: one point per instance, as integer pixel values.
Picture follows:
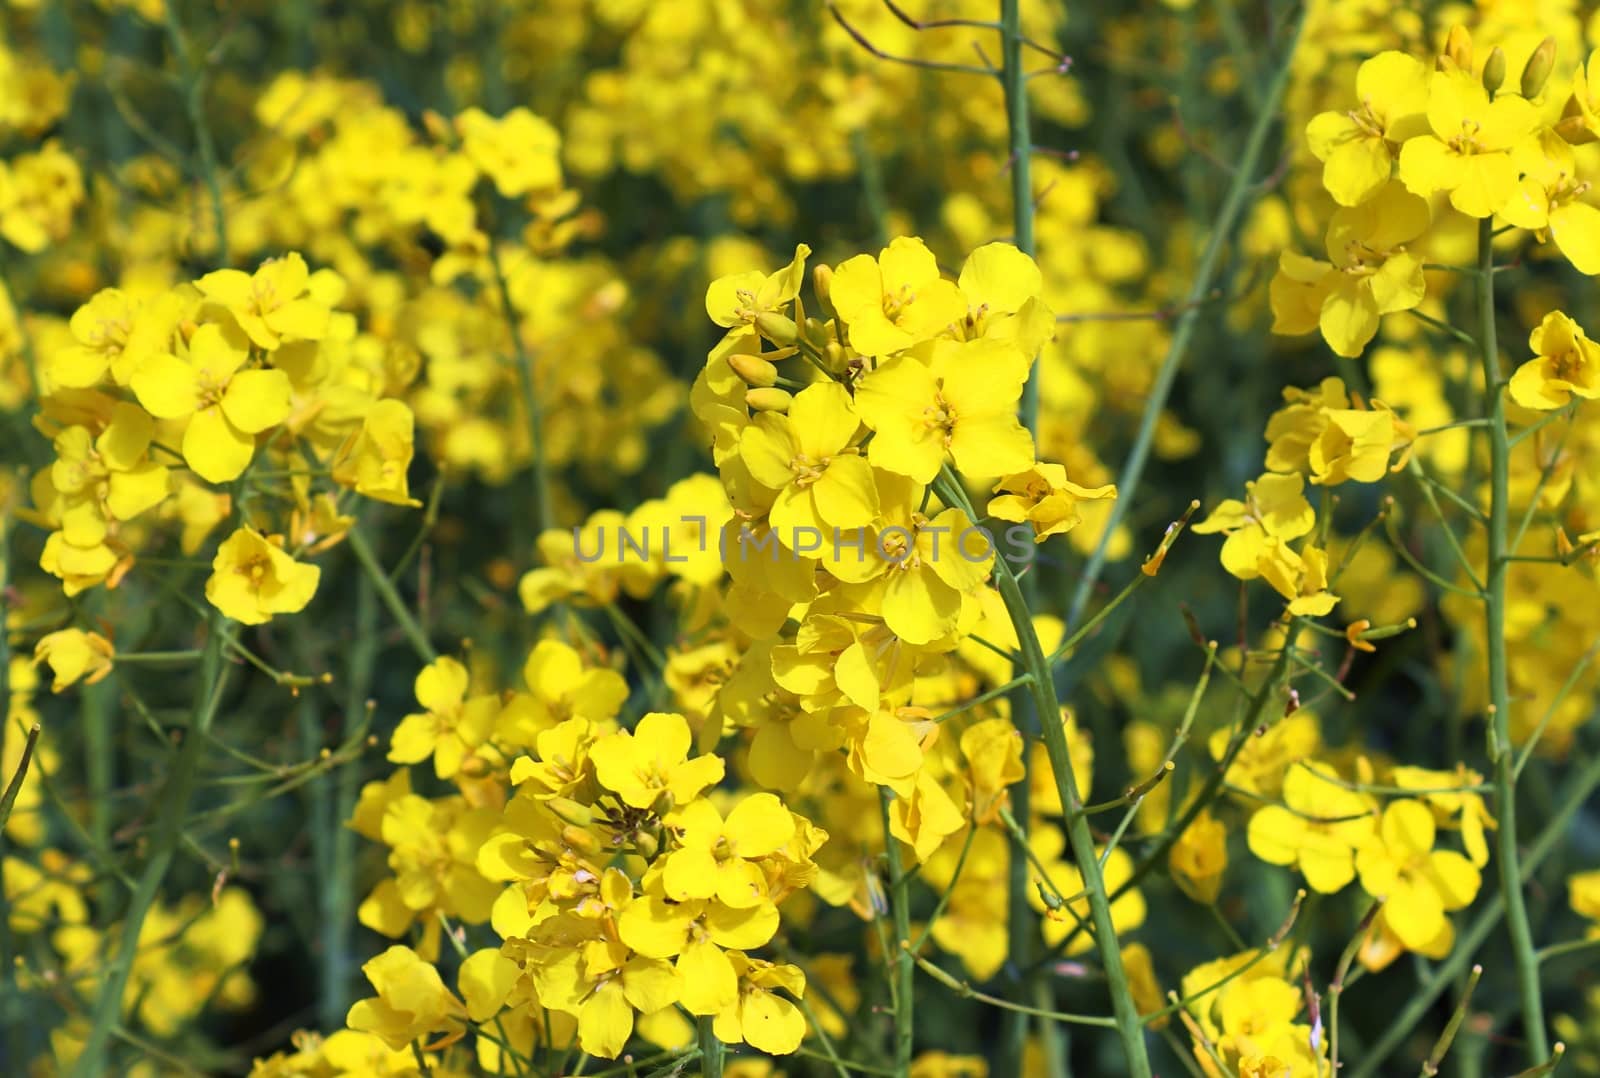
(711, 1049)
(194, 89)
(1233, 207)
(532, 407)
(1214, 782)
(904, 960)
(1020, 156)
(174, 802)
(10, 993)
(1021, 928)
(390, 597)
(99, 761)
(1080, 838)
(1494, 609)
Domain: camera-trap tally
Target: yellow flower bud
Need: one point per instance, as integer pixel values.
(769, 399)
(822, 284)
(777, 328)
(647, 844)
(571, 812)
(1457, 50)
(1537, 71)
(576, 838)
(753, 369)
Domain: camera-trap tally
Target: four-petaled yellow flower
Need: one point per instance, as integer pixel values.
(519, 151)
(716, 858)
(1566, 364)
(809, 457)
(653, 760)
(1318, 828)
(963, 403)
(1419, 884)
(1274, 507)
(1549, 200)
(253, 578)
(896, 300)
(451, 726)
(741, 300)
(1358, 146)
(75, 655)
(272, 305)
(1469, 152)
(412, 1003)
(226, 403)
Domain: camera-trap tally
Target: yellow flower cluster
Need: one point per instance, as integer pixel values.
(356, 184)
(618, 882)
(167, 407)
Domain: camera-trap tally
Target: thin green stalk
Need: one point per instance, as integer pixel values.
(982, 698)
(1444, 526)
(711, 1049)
(193, 78)
(872, 191)
(390, 597)
(1430, 1066)
(1080, 838)
(1214, 781)
(1019, 150)
(1452, 968)
(10, 996)
(1494, 611)
(99, 761)
(1050, 1031)
(169, 834)
(1020, 161)
(1559, 950)
(532, 407)
(1233, 206)
(904, 960)
(18, 777)
(828, 1050)
(1555, 703)
(966, 991)
(333, 843)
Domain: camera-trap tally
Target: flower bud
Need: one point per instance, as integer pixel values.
(1537, 71)
(769, 399)
(1457, 50)
(663, 804)
(1494, 70)
(753, 369)
(822, 283)
(777, 328)
(571, 812)
(647, 845)
(576, 838)
(439, 129)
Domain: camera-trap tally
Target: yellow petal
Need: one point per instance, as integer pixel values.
(216, 450)
(256, 400)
